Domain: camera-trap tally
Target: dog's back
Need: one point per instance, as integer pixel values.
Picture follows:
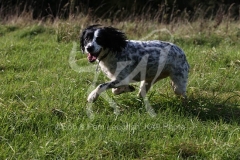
(151, 57)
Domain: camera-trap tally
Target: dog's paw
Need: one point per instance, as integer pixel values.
(92, 97)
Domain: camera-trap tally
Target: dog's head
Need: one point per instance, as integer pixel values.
(95, 40)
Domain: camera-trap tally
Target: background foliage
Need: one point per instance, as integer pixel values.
(163, 9)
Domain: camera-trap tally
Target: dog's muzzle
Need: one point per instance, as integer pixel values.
(92, 57)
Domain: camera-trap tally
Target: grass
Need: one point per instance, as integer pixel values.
(43, 100)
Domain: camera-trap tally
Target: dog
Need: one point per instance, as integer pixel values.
(126, 61)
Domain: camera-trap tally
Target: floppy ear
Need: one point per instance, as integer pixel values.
(83, 34)
(116, 39)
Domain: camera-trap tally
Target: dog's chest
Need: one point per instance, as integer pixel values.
(108, 69)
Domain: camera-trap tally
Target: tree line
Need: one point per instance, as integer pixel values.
(120, 9)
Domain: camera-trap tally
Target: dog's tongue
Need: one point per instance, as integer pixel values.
(91, 58)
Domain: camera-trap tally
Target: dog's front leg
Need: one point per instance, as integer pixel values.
(92, 97)
(144, 87)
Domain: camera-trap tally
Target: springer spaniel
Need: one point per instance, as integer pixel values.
(125, 61)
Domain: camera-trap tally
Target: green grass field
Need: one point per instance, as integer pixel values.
(43, 100)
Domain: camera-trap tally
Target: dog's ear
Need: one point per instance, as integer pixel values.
(95, 26)
(116, 39)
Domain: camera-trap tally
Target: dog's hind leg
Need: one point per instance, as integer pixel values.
(144, 88)
(179, 85)
(179, 88)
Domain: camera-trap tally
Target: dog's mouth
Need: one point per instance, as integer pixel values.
(92, 57)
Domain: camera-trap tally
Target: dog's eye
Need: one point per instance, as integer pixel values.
(86, 39)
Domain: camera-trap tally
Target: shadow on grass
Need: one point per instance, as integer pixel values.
(206, 108)
(203, 107)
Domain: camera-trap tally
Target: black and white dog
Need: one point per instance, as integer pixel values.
(126, 61)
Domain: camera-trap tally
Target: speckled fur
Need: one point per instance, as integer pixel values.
(119, 66)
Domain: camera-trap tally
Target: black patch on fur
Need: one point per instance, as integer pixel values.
(112, 39)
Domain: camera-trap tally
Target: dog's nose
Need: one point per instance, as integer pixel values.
(90, 49)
